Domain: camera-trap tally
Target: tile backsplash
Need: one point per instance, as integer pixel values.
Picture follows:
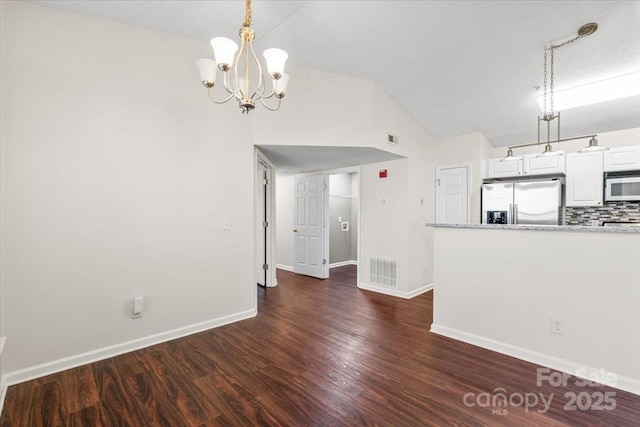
(609, 212)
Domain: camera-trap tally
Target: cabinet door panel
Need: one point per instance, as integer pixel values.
(553, 164)
(584, 179)
(496, 168)
(622, 159)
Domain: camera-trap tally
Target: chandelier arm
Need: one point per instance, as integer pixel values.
(261, 86)
(271, 108)
(218, 102)
(236, 61)
(226, 84)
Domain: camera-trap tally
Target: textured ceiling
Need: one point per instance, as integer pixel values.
(455, 66)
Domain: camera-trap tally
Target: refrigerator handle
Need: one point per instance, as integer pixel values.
(515, 214)
(510, 214)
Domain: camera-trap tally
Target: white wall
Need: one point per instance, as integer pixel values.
(419, 197)
(116, 174)
(471, 148)
(320, 108)
(505, 302)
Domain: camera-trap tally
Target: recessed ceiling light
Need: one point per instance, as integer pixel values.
(592, 93)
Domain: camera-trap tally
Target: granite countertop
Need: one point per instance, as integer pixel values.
(575, 228)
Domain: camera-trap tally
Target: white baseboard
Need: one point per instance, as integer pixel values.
(395, 292)
(343, 263)
(284, 267)
(33, 372)
(623, 383)
(3, 392)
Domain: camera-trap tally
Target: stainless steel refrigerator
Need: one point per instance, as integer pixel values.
(522, 202)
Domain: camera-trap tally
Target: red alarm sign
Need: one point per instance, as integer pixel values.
(383, 173)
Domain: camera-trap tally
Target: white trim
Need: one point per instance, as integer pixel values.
(395, 292)
(270, 201)
(343, 263)
(623, 383)
(469, 182)
(3, 392)
(52, 367)
(284, 267)
(2, 341)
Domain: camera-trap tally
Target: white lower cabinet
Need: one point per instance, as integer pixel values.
(584, 175)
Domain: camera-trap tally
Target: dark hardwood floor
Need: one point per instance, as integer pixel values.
(319, 353)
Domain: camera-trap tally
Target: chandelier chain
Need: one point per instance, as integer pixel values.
(247, 14)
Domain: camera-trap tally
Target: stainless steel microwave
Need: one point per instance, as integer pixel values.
(622, 186)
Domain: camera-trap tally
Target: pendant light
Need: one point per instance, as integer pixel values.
(549, 115)
(509, 156)
(593, 147)
(247, 89)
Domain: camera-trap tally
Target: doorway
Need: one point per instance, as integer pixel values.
(264, 248)
(343, 219)
(340, 219)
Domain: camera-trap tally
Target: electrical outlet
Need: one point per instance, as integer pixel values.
(557, 326)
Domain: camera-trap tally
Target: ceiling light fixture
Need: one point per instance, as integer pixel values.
(593, 146)
(245, 89)
(548, 106)
(509, 156)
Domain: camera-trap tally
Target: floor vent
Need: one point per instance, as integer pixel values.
(384, 272)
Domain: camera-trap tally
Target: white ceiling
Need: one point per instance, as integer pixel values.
(456, 66)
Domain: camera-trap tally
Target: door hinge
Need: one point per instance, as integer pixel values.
(438, 181)
(265, 266)
(324, 261)
(265, 224)
(265, 181)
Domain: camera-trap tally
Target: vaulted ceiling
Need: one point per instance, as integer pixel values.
(455, 66)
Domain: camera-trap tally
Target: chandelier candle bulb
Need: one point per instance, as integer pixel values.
(207, 69)
(275, 61)
(224, 50)
(281, 85)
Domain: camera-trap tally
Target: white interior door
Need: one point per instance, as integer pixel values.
(309, 226)
(452, 194)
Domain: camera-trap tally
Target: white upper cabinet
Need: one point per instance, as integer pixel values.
(622, 159)
(497, 168)
(584, 181)
(528, 165)
(544, 165)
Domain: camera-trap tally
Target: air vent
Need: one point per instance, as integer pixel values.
(393, 139)
(384, 272)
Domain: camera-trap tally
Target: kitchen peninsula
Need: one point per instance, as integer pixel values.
(504, 287)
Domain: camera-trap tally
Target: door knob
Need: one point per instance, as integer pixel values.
(295, 230)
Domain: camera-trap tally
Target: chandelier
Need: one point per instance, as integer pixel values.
(549, 114)
(236, 69)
